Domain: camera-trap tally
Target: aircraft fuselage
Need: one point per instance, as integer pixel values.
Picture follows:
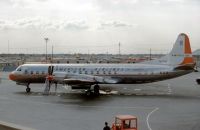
(122, 73)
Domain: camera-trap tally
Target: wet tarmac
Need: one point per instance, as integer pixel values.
(167, 105)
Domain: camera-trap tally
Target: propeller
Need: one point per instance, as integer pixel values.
(49, 79)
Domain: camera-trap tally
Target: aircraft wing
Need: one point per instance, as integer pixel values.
(78, 81)
(82, 79)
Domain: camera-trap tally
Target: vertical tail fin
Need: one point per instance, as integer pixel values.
(180, 56)
(181, 53)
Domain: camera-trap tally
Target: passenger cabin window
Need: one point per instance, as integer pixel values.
(56, 68)
(19, 69)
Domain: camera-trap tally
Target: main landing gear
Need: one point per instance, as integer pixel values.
(94, 90)
(28, 89)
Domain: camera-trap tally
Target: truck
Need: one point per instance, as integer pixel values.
(125, 122)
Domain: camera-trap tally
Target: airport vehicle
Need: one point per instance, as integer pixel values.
(88, 76)
(125, 122)
(198, 80)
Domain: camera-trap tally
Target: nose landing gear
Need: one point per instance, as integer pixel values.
(28, 89)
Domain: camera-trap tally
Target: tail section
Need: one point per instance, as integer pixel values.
(181, 54)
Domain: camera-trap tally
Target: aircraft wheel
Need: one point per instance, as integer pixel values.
(198, 81)
(88, 93)
(28, 90)
(96, 90)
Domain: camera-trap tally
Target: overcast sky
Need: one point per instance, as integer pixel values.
(97, 26)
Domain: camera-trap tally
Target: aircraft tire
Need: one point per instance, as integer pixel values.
(28, 90)
(198, 81)
(96, 89)
(88, 93)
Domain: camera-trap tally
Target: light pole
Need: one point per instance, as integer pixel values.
(52, 54)
(119, 48)
(46, 39)
(8, 47)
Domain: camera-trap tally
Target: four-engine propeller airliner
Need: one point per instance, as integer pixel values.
(88, 76)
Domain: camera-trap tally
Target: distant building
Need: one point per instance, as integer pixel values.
(7, 65)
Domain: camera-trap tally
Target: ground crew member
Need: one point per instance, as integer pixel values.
(106, 126)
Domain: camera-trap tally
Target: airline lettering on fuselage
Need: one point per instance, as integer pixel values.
(103, 70)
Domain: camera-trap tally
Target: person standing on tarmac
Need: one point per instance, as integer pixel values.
(106, 126)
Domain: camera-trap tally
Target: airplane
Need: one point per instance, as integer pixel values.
(88, 76)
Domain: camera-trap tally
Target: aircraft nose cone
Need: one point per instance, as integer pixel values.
(12, 77)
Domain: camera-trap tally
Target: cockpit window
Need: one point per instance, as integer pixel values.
(19, 68)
